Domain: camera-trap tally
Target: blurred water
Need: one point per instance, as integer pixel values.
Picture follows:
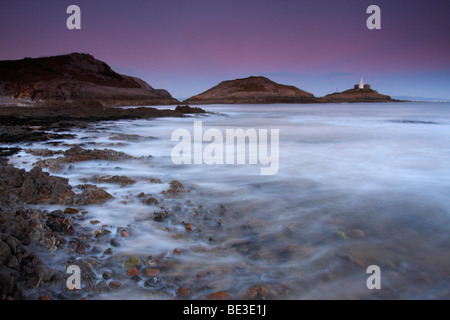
(358, 185)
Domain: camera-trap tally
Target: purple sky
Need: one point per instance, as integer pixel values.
(187, 46)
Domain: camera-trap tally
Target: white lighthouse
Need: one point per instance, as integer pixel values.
(361, 83)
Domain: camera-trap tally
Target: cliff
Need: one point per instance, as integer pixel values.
(75, 79)
(252, 90)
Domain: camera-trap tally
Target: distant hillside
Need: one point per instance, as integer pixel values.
(252, 90)
(73, 79)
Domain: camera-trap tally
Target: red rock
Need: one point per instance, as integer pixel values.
(133, 272)
(115, 285)
(151, 272)
(176, 251)
(219, 295)
(183, 292)
(70, 211)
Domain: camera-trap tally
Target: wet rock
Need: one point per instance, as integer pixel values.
(114, 242)
(149, 272)
(115, 285)
(91, 194)
(132, 262)
(184, 292)
(150, 201)
(161, 216)
(123, 180)
(102, 287)
(78, 154)
(103, 232)
(155, 283)
(129, 137)
(155, 180)
(355, 234)
(71, 211)
(219, 295)
(33, 187)
(176, 188)
(107, 275)
(43, 152)
(133, 272)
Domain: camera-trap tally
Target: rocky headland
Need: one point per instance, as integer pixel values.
(74, 79)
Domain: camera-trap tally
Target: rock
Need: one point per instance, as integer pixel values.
(115, 285)
(188, 110)
(5, 253)
(123, 180)
(106, 275)
(161, 216)
(43, 152)
(91, 194)
(132, 262)
(114, 242)
(102, 287)
(101, 233)
(155, 283)
(149, 272)
(133, 272)
(355, 233)
(80, 248)
(183, 292)
(76, 79)
(151, 201)
(33, 187)
(219, 295)
(71, 211)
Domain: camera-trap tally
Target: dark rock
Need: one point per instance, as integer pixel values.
(76, 79)
(189, 110)
(155, 283)
(114, 242)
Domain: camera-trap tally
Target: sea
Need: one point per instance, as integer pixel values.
(359, 207)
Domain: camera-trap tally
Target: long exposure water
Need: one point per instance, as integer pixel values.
(357, 185)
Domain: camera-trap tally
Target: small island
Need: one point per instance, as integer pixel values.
(252, 90)
(360, 93)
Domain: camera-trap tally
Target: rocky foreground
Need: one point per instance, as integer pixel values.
(25, 231)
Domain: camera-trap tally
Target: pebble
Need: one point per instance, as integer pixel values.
(149, 272)
(183, 292)
(219, 295)
(107, 275)
(115, 285)
(70, 211)
(133, 272)
(132, 262)
(155, 283)
(355, 233)
(114, 243)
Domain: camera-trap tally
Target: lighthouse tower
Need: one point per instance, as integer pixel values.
(361, 83)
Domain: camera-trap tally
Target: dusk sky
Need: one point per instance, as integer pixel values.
(188, 46)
